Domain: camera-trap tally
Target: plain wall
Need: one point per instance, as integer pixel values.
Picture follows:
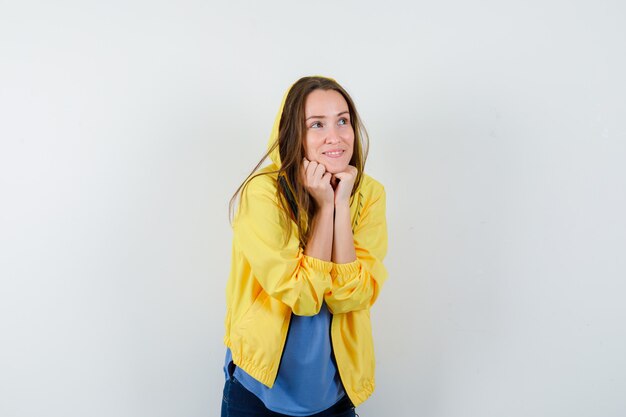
(498, 129)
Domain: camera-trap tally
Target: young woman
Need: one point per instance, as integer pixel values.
(309, 238)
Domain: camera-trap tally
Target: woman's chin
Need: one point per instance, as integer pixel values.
(335, 168)
(335, 165)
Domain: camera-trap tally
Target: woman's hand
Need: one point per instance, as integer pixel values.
(317, 183)
(344, 186)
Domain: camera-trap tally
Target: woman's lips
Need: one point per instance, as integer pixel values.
(334, 154)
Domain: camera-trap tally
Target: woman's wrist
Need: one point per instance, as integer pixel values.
(325, 208)
(343, 205)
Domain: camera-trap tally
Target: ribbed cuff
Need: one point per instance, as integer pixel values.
(344, 272)
(318, 264)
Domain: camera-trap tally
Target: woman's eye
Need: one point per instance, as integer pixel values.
(316, 124)
(344, 121)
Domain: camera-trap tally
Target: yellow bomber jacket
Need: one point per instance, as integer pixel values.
(269, 280)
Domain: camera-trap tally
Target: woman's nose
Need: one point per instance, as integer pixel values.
(333, 135)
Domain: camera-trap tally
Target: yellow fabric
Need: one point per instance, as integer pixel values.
(271, 277)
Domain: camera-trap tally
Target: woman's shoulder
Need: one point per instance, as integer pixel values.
(264, 181)
(370, 187)
(258, 196)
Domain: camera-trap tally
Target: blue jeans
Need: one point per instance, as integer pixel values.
(239, 402)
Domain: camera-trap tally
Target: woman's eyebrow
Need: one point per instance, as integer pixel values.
(323, 117)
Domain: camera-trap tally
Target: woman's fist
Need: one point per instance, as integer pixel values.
(345, 183)
(317, 182)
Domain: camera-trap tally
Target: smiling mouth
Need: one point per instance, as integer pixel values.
(333, 154)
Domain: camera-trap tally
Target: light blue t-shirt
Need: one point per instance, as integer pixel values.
(308, 381)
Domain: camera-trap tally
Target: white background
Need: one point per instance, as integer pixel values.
(498, 129)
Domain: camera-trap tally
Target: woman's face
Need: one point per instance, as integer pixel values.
(329, 137)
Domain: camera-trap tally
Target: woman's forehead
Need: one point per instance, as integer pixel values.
(324, 103)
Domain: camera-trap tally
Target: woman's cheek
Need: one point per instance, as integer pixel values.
(313, 146)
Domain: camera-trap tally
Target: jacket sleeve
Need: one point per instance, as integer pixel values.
(356, 285)
(277, 261)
